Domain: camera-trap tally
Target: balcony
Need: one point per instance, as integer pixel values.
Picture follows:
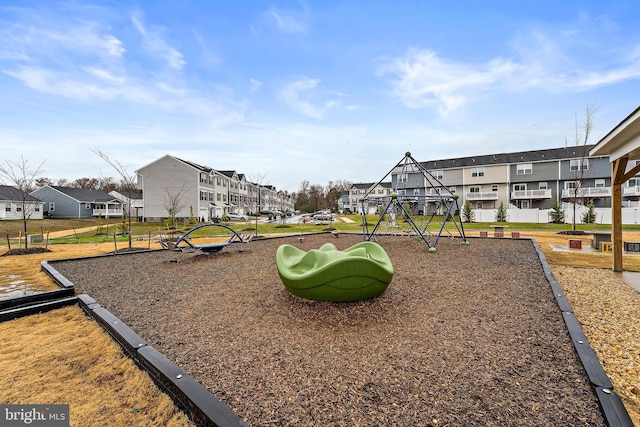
(491, 195)
(107, 213)
(530, 194)
(587, 192)
(631, 191)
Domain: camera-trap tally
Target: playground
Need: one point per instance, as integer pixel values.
(462, 336)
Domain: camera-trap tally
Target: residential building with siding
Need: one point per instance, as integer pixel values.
(207, 192)
(526, 180)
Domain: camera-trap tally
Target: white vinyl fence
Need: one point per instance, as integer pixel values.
(603, 215)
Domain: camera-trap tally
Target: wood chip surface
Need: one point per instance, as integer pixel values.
(469, 335)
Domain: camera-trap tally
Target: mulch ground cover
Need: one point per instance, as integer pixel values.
(468, 335)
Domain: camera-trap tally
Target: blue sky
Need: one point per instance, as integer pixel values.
(320, 91)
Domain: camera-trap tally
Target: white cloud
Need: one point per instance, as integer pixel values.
(255, 85)
(423, 79)
(566, 61)
(297, 95)
(287, 21)
(155, 44)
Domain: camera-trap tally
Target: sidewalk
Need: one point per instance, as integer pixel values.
(65, 233)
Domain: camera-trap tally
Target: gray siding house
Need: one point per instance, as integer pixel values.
(67, 202)
(207, 192)
(187, 186)
(527, 179)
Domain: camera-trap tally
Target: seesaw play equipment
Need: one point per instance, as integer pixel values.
(184, 243)
(327, 274)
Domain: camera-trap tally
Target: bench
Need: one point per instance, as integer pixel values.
(575, 244)
(631, 246)
(498, 230)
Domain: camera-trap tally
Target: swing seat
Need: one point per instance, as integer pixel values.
(360, 272)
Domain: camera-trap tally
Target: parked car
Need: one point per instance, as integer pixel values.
(235, 216)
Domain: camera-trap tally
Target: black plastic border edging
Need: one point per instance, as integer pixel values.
(42, 307)
(614, 411)
(40, 297)
(189, 395)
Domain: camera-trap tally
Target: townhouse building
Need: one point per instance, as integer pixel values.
(520, 180)
(190, 188)
(350, 201)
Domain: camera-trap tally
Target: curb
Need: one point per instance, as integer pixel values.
(614, 411)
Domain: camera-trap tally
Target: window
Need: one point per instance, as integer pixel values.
(87, 205)
(52, 206)
(571, 185)
(218, 180)
(478, 205)
(203, 177)
(7, 206)
(542, 186)
(37, 208)
(600, 183)
(18, 208)
(211, 197)
(218, 196)
(524, 169)
(380, 191)
(633, 182)
(452, 189)
(519, 187)
(416, 191)
(474, 189)
(203, 195)
(477, 172)
(579, 164)
(524, 204)
(438, 174)
(494, 187)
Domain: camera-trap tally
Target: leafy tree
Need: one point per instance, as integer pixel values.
(468, 215)
(589, 217)
(23, 178)
(557, 213)
(501, 213)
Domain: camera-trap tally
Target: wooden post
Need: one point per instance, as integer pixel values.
(617, 179)
(9, 243)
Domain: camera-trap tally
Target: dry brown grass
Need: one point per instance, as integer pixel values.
(63, 357)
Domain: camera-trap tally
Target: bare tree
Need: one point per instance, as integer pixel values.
(128, 184)
(42, 182)
(257, 180)
(23, 178)
(580, 168)
(175, 199)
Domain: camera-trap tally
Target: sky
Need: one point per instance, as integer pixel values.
(317, 91)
